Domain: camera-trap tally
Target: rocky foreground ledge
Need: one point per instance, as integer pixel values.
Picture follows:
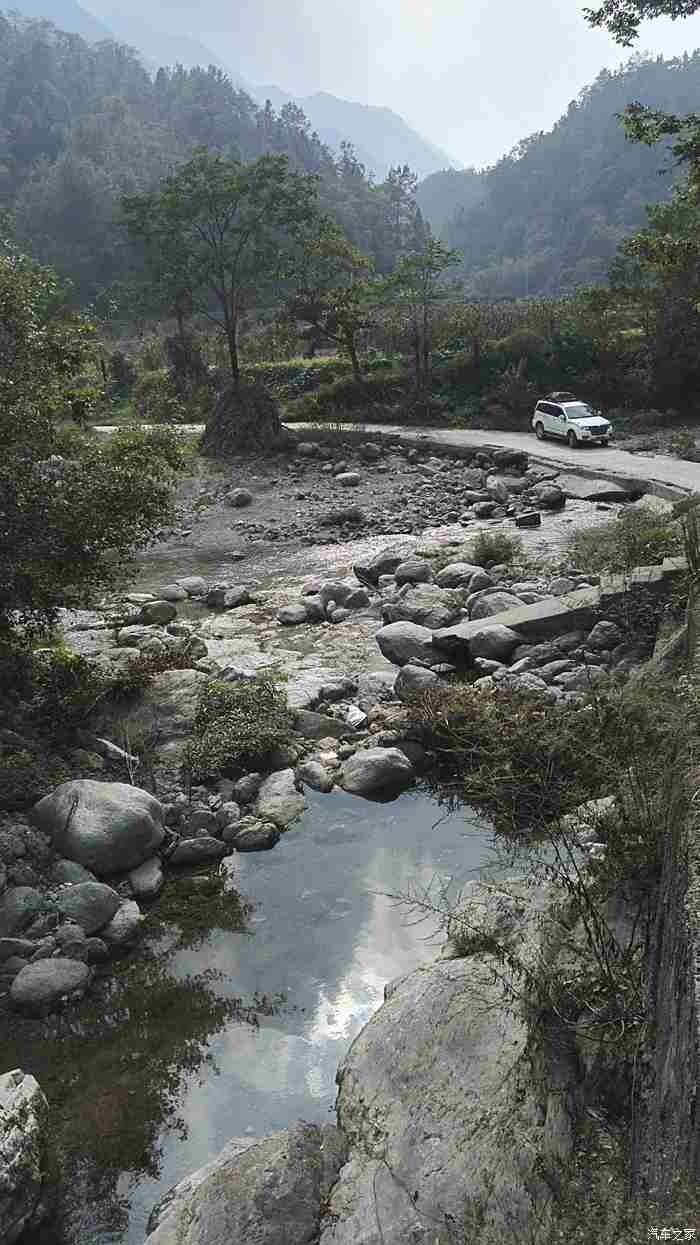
(442, 1125)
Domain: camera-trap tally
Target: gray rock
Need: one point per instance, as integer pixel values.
(402, 642)
(257, 1191)
(110, 827)
(415, 571)
(124, 925)
(228, 598)
(427, 605)
(18, 908)
(581, 678)
(147, 880)
(374, 687)
(194, 585)
(549, 495)
(259, 838)
(494, 603)
(307, 449)
(604, 635)
(320, 726)
(292, 615)
(12, 846)
(24, 1118)
(562, 585)
(279, 801)
(173, 592)
(96, 950)
(382, 563)
(313, 774)
(484, 509)
(349, 479)
(198, 851)
(202, 819)
(90, 904)
(433, 1065)
(374, 772)
(315, 611)
(412, 679)
(494, 642)
(457, 575)
(228, 814)
(246, 788)
(159, 612)
(10, 947)
(133, 635)
(239, 497)
(69, 933)
(41, 987)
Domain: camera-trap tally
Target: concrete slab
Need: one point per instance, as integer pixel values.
(593, 488)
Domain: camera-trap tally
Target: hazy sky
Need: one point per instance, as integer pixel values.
(472, 75)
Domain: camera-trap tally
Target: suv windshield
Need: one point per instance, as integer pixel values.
(578, 410)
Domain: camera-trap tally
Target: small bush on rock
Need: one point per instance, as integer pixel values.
(238, 724)
(492, 548)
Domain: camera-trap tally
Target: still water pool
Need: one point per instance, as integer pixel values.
(169, 1072)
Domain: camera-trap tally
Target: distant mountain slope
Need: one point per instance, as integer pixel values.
(66, 15)
(162, 48)
(381, 138)
(155, 46)
(550, 215)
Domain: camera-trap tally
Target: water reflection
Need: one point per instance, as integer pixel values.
(322, 932)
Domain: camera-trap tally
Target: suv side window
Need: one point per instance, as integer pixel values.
(542, 408)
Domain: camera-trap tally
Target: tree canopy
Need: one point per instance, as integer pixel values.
(623, 17)
(72, 510)
(216, 229)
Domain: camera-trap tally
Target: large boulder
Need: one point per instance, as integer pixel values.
(41, 987)
(491, 603)
(377, 772)
(257, 1191)
(456, 574)
(412, 679)
(402, 643)
(24, 1116)
(110, 827)
(246, 417)
(495, 642)
(89, 904)
(279, 801)
(383, 563)
(427, 605)
(435, 1100)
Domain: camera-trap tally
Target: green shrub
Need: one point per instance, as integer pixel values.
(237, 726)
(637, 537)
(493, 548)
(155, 399)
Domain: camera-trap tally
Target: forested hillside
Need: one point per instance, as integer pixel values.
(82, 124)
(550, 215)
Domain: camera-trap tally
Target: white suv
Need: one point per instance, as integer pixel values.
(561, 415)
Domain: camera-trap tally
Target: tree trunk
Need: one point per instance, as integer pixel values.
(352, 351)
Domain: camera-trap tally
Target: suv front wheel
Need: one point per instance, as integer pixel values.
(539, 431)
(571, 439)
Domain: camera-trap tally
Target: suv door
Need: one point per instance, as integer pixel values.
(557, 420)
